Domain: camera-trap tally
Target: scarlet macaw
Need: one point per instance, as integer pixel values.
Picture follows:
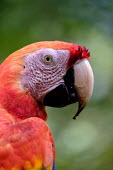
(41, 74)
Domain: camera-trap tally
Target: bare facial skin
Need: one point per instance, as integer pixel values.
(44, 70)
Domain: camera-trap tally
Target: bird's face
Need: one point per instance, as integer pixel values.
(56, 78)
(44, 71)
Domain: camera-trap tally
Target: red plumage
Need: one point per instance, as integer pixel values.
(25, 139)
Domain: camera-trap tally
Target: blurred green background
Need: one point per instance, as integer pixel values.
(87, 143)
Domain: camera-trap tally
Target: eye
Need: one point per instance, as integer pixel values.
(48, 59)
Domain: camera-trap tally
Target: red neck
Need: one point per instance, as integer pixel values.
(15, 101)
(21, 105)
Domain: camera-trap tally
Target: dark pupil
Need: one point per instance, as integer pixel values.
(47, 58)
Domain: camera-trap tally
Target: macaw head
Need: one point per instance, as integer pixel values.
(55, 73)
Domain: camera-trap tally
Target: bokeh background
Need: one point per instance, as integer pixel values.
(87, 143)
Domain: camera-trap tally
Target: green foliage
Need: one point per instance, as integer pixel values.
(86, 143)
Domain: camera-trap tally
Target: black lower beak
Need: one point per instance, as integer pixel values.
(64, 94)
(77, 86)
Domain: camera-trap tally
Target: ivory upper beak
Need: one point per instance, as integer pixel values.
(84, 82)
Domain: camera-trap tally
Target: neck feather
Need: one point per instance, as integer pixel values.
(15, 101)
(21, 104)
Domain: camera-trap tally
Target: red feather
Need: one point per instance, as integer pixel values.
(25, 139)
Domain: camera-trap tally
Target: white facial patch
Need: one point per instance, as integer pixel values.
(44, 71)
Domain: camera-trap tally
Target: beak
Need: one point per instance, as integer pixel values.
(77, 87)
(83, 82)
